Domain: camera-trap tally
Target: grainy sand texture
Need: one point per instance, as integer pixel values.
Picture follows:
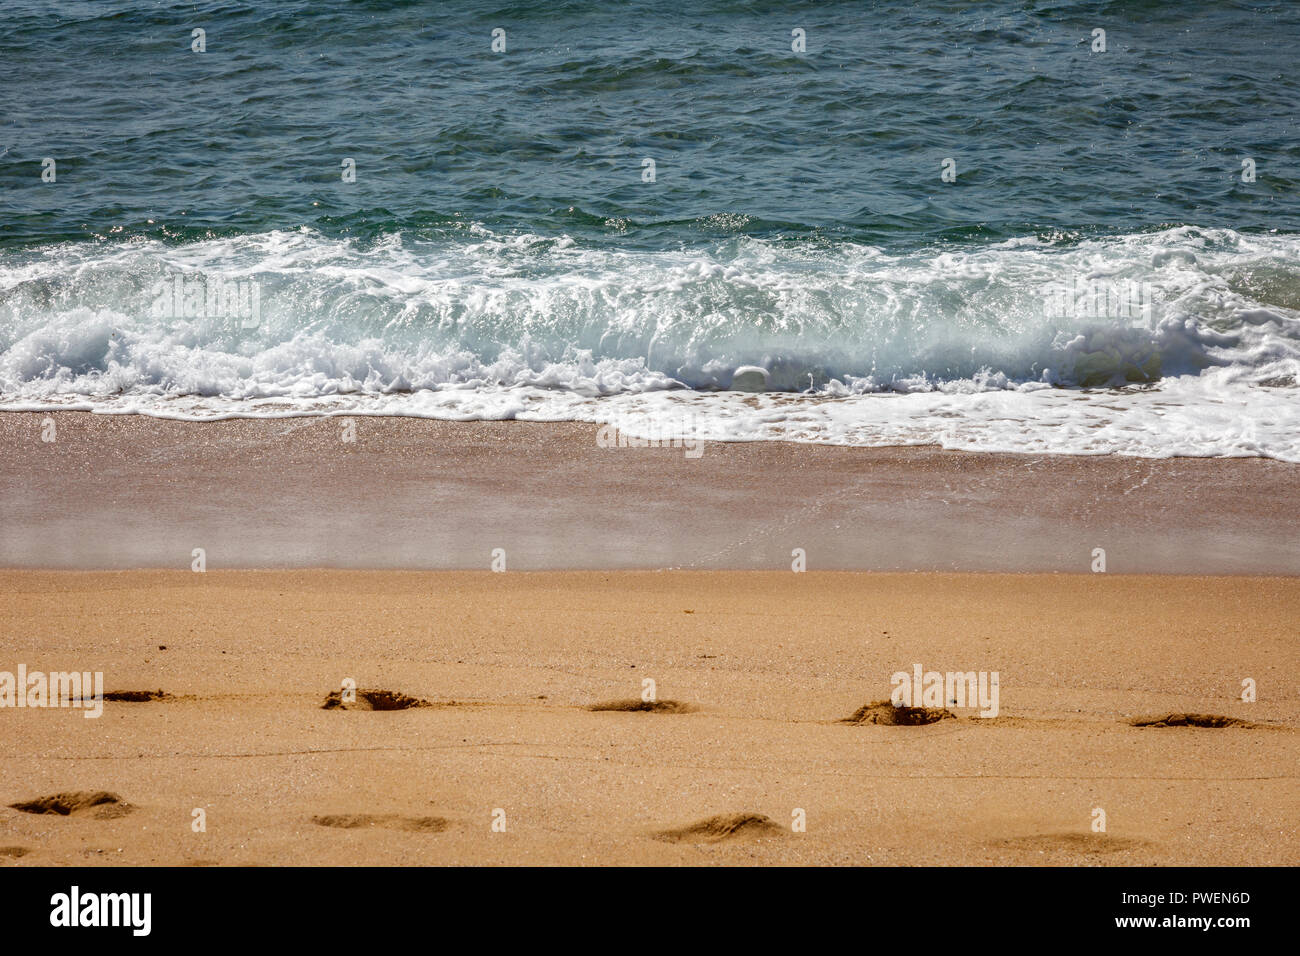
(481, 744)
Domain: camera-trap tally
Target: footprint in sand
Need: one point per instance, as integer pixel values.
(729, 826)
(100, 804)
(383, 821)
(637, 706)
(1189, 720)
(885, 713)
(373, 700)
(13, 852)
(1069, 843)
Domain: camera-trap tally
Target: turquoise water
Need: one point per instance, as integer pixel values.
(502, 254)
(749, 138)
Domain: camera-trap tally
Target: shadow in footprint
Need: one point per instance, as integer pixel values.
(373, 700)
(1189, 720)
(14, 852)
(99, 803)
(729, 826)
(135, 696)
(885, 713)
(637, 706)
(384, 821)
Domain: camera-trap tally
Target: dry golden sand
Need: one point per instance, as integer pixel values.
(769, 663)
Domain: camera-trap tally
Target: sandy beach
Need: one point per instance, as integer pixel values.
(745, 757)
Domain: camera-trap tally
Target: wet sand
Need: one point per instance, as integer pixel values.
(131, 492)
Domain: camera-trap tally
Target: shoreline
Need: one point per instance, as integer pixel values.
(116, 492)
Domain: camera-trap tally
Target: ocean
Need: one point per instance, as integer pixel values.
(1065, 227)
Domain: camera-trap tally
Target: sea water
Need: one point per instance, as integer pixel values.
(982, 226)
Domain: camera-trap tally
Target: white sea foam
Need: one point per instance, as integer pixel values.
(956, 345)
